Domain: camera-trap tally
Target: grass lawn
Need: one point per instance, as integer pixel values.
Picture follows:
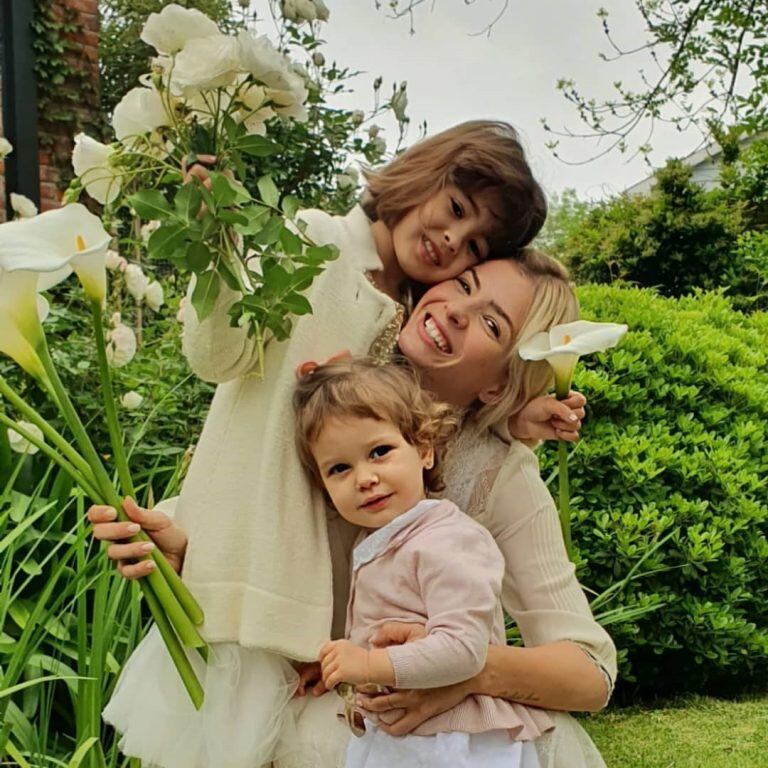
(694, 732)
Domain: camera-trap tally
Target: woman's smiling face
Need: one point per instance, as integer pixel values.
(460, 334)
(445, 235)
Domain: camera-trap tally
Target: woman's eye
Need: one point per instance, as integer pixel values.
(337, 469)
(493, 326)
(380, 450)
(458, 211)
(464, 285)
(475, 249)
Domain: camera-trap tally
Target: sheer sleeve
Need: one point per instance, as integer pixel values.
(540, 590)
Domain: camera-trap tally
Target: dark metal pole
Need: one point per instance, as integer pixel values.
(19, 99)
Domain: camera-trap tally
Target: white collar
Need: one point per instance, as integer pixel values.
(371, 546)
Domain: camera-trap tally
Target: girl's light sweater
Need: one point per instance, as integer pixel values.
(409, 571)
(258, 558)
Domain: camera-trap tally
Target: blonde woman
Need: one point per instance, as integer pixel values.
(248, 513)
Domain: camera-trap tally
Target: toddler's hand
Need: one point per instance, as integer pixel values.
(342, 661)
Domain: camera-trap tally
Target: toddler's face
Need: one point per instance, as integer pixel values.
(370, 471)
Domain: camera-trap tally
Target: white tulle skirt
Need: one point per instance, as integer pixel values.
(321, 740)
(493, 749)
(244, 721)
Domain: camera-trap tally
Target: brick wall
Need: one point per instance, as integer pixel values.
(55, 137)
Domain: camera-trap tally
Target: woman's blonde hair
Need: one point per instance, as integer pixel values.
(554, 302)
(475, 156)
(360, 388)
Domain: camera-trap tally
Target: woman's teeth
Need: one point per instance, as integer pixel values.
(431, 251)
(434, 333)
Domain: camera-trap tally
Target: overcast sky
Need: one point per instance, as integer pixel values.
(454, 76)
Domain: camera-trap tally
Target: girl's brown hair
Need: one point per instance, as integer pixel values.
(475, 156)
(364, 390)
(554, 302)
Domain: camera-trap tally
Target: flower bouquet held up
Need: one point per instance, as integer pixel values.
(207, 94)
(561, 347)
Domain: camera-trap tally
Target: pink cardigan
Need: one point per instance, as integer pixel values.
(436, 566)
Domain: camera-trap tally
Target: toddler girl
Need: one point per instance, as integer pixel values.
(369, 438)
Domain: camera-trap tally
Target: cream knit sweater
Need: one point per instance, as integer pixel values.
(258, 558)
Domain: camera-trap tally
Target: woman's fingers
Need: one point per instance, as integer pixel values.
(149, 519)
(383, 702)
(134, 550)
(101, 513)
(115, 531)
(135, 570)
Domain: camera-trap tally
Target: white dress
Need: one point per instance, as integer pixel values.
(244, 721)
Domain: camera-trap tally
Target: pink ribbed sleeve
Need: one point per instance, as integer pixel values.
(459, 571)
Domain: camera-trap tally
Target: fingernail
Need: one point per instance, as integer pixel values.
(572, 417)
(133, 528)
(147, 546)
(150, 566)
(110, 513)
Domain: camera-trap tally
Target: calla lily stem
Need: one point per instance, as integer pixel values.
(562, 388)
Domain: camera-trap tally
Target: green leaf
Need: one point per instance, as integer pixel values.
(256, 216)
(290, 206)
(222, 190)
(297, 304)
(166, 240)
(198, 256)
(187, 201)
(270, 232)
(82, 751)
(150, 204)
(205, 294)
(257, 146)
(270, 194)
(290, 242)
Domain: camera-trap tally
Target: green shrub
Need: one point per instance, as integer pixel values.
(676, 441)
(677, 238)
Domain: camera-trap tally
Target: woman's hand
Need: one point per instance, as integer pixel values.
(310, 678)
(546, 418)
(397, 633)
(411, 708)
(165, 534)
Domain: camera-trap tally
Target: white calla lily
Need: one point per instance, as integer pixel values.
(562, 346)
(140, 111)
(169, 30)
(91, 161)
(131, 400)
(19, 443)
(23, 206)
(154, 297)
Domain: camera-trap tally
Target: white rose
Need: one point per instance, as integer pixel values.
(5, 148)
(136, 282)
(114, 261)
(23, 206)
(169, 30)
(399, 102)
(207, 62)
(121, 346)
(306, 10)
(318, 59)
(153, 296)
(373, 131)
(131, 400)
(21, 444)
(323, 14)
(140, 111)
(147, 230)
(259, 57)
(290, 10)
(345, 181)
(357, 117)
(91, 162)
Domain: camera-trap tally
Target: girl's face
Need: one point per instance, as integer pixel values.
(370, 471)
(445, 235)
(461, 333)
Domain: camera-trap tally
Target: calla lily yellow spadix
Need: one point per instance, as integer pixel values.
(561, 347)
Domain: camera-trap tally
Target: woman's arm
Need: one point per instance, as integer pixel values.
(558, 676)
(569, 660)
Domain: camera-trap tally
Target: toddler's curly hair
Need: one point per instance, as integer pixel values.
(360, 388)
